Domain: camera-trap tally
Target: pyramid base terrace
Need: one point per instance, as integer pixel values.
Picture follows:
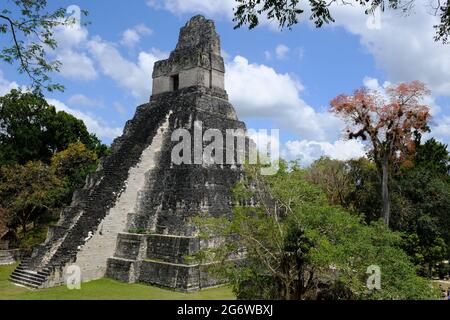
(159, 260)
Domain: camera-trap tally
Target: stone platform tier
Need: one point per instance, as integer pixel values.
(159, 260)
(8, 256)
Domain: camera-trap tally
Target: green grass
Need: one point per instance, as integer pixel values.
(104, 289)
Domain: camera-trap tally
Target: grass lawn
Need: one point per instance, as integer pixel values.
(104, 289)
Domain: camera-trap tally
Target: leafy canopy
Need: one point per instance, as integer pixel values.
(31, 129)
(289, 243)
(287, 13)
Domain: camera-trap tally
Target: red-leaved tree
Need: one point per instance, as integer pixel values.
(391, 121)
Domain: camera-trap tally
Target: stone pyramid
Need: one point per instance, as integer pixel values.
(131, 220)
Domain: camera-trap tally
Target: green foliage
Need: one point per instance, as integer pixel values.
(288, 13)
(333, 177)
(73, 165)
(433, 156)
(420, 199)
(30, 32)
(426, 254)
(35, 192)
(44, 157)
(34, 236)
(32, 130)
(297, 246)
(28, 192)
(138, 231)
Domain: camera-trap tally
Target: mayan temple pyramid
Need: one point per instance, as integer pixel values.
(130, 222)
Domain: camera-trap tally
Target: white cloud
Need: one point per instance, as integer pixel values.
(71, 36)
(281, 51)
(5, 85)
(402, 46)
(93, 124)
(223, 8)
(131, 37)
(441, 129)
(134, 77)
(259, 91)
(308, 151)
(78, 52)
(82, 100)
(76, 65)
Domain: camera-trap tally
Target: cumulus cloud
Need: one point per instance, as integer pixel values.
(5, 85)
(440, 129)
(402, 45)
(93, 123)
(134, 77)
(257, 90)
(80, 53)
(223, 8)
(281, 51)
(307, 151)
(132, 36)
(82, 100)
(76, 64)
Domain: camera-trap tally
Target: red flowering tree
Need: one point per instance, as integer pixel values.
(391, 121)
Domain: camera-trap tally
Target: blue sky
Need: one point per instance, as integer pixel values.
(275, 79)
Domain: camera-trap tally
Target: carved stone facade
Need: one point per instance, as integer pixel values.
(137, 187)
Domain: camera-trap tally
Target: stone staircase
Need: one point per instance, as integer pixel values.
(25, 277)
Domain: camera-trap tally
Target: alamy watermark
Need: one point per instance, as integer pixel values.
(231, 147)
(374, 279)
(73, 277)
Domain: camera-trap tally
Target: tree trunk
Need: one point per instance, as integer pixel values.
(24, 227)
(385, 191)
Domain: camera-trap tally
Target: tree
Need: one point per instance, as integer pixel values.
(433, 156)
(28, 192)
(34, 193)
(288, 243)
(73, 165)
(32, 130)
(392, 123)
(287, 13)
(333, 178)
(28, 29)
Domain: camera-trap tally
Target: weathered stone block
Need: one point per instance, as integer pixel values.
(171, 248)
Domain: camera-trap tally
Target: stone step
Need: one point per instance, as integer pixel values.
(24, 278)
(30, 274)
(24, 283)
